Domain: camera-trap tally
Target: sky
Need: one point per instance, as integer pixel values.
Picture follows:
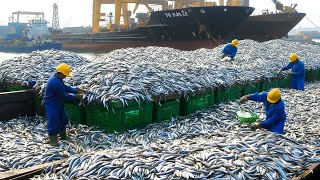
(74, 13)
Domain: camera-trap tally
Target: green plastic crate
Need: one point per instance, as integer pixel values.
(251, 88)
(14, 88)
(120, 104)
(310, 75)
(2, 89)
(269, 84)
(39, 109)
(76, 113)
(284, 82)
(317, 74)
(226, 94)
(196, 103)
(166, 110)
(119, 119)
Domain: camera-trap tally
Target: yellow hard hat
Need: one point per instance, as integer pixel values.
(234, 42)
(64, 69)
(274, 95)
(293, 57)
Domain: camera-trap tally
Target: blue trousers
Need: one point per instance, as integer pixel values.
(297, 83)
(57, 119)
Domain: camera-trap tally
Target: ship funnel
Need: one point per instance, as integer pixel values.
(245, 3)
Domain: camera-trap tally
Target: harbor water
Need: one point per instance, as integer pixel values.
(316, 40)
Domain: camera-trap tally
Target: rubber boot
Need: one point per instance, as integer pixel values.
(63, 134)
(53, 140)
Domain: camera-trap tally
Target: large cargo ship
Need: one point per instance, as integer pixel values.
(189, 28)
(26, 37)
(268, 25)
(186, 28)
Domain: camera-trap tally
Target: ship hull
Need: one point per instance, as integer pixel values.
(28, 49)
(187, 29)
(267, 27)
(108, 46)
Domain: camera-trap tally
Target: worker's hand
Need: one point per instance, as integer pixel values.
(227, 58)
(244, 99)
(79, 96)
(254, 127)
(81, 91)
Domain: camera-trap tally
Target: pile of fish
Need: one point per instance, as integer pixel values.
(224, 154)
(140, 74)
(303, 114)
(37, 66)
(208, 144)
(24, 143)
(143, 73)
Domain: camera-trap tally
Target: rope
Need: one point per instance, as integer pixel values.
(312, 22)
(206, 31)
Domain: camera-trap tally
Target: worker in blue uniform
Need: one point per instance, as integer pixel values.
(274, 107)
(298, 72)
(230, 50)
(56, 94)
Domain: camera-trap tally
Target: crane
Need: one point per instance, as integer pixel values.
(280, 7)
(278, 4)
(121, 5)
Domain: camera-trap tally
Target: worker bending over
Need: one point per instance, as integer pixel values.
(274, 107)
(298, 72)
(230, 50)
(55, 96)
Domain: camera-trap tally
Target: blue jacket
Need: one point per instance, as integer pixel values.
(57, 93)
(298, 70)
(275, 113)
(230, 50)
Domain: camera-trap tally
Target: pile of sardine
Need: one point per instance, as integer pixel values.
(224, 154)
(303, 114)
(142, 73)
(24, 143)
(210, 144)
(37, 66)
